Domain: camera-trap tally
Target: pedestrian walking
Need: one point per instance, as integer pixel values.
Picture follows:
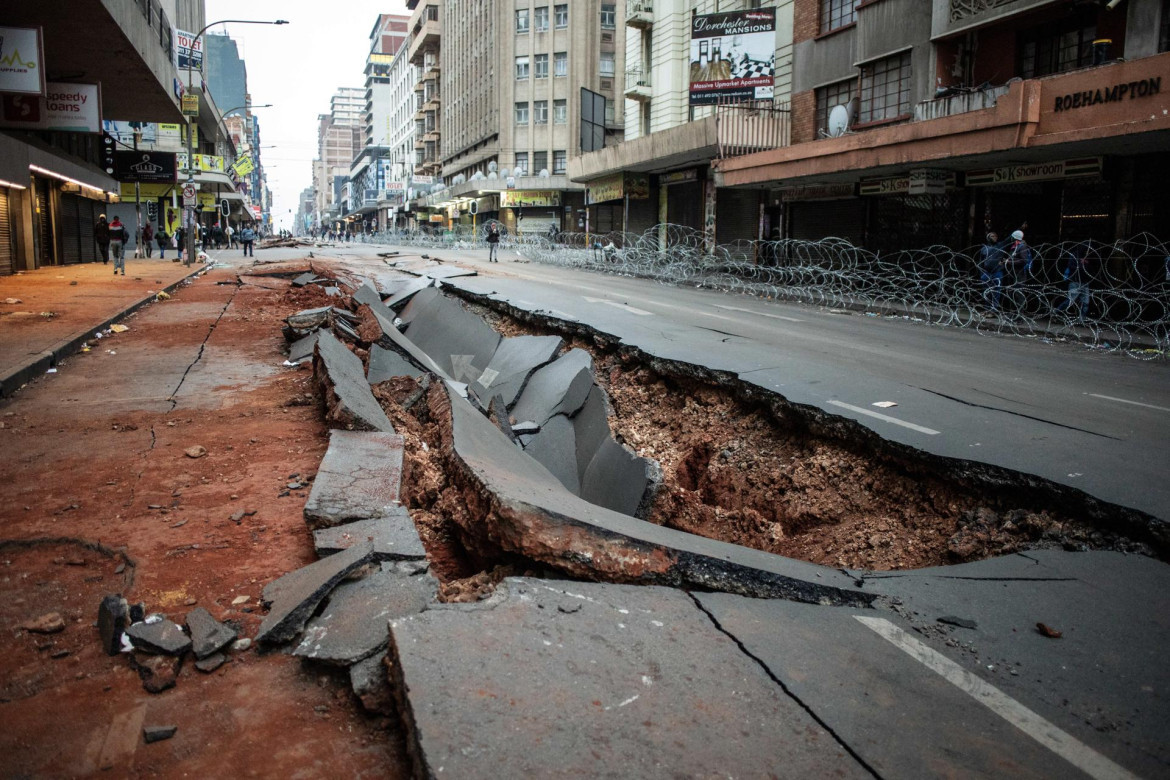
(247, 236)
(162, 239)
(229, 233)
(493, 242)
(118, 236)
(991, 257)
(1082, 262)
(148, 238)
(101, 234)
(1019, 256)
(179, 241)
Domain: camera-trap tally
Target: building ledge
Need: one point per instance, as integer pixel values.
(690, 144)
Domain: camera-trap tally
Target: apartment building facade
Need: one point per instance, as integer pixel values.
(674, 132)
(506, 92)
(916, 124)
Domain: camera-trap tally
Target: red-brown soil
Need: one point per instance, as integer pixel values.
(95, 454)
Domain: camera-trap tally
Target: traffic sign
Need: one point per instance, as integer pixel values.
(189, 194)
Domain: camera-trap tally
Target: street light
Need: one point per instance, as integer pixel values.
(192, 121)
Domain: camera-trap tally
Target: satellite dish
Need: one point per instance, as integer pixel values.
(838, 121)
(492, 166)
(544, 173)
(505, 172)
(477, 176)
(493, 176)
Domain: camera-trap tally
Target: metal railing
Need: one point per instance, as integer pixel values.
(745, 127)
(960, 102)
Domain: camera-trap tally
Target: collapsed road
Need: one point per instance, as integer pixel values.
(546, 547)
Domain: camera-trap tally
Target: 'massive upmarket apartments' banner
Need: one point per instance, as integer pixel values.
(733, 56)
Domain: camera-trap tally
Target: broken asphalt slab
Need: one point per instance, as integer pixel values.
(208, 635)
(560, 387)
(353, 624)
(163, 637)
(550, 677)
(302, 349)
(345, 375)
(295, 596)
(457, 340)
(393, 536)
(387, 364)
(360, 478)
(536, 517)
(408, 291)
(512, 363)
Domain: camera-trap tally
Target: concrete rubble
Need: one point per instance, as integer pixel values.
(359, 478)
(387, 364)
(342, 377)
(294, 597)
(161, 637)
(394, 536)
(208, 635)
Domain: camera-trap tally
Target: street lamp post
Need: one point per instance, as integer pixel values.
(192, 121)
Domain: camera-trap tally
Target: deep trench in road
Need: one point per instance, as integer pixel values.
(742, 465)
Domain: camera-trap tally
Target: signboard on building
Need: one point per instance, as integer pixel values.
(538, 198)
(68, 108)
(927, 181)
(620, 185)
(733, 56)
(678, 177)
(1057, 169)
(804, 192)
(124, 132)
(188, 51)
(22, 60)
(145, 166)
(243, 165)
(423, 180)
(203, 162)
(190, 104)
(898, 185)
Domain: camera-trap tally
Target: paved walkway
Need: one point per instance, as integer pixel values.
(46, 314)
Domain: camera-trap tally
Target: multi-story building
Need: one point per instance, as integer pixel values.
(423, 52)
(339, 138)
(53, 176)
(227, 73)
(701, 79)
(510, 80)
(368, 173)
(917, 124)
(399, 141)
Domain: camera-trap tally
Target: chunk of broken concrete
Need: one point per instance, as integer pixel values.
(353, 624)
(113, 617)
(512, 363)
(208, 635)
(158, 672)
(560, 387)
(387, 364)
(370, 684)
(343, 376)
(460, 342)
(211, 663)
(360, 478)
(306, 278)
(555, 448)
(308, 318)
(195, 452)
(498, 414)
(163, 637)
(393, 536)
(302, 349)
(618, 479)
(48, 623)
(158, 733)
(295, 596)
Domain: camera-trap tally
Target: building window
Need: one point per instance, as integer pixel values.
(521, 67)
(609, 111)
(885, 89)
(838, 94)
(608, 16)
(562, 15)
(837, 13)
(540, 22)
(560, 161)
(539, 162)
(522, 113)
(521, 164)
(432, 13)
(1058, 46)
(541, 64)
(561, 63)
(540, 112)
(607, 64)
(522, 20)
(560, 112)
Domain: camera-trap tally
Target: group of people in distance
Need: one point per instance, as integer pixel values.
(111, 238)
(1012, 259)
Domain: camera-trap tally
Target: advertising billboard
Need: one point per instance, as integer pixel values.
(733, 56)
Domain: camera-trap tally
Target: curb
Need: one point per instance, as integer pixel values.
(38, 364)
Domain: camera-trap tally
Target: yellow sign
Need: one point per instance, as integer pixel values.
(147, 190)
(244, 165)
(190, 105)
(540, 198)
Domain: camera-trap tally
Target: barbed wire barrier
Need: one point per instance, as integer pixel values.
(1118, 301)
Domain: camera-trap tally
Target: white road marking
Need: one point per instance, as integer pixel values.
(1047, 734)
(1124, 401)
(620, 305)
(885, 417)
(758, 313)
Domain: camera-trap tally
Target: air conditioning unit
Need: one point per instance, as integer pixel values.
(607, 37)
(607, 83)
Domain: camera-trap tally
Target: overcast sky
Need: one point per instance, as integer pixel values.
(297, 67)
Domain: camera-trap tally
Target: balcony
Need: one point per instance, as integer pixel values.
(640, 14)
(959, 101)
(637, 84)
(424, 40)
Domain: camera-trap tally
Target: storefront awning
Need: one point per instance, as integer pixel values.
(215, 177)
(232, 195)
